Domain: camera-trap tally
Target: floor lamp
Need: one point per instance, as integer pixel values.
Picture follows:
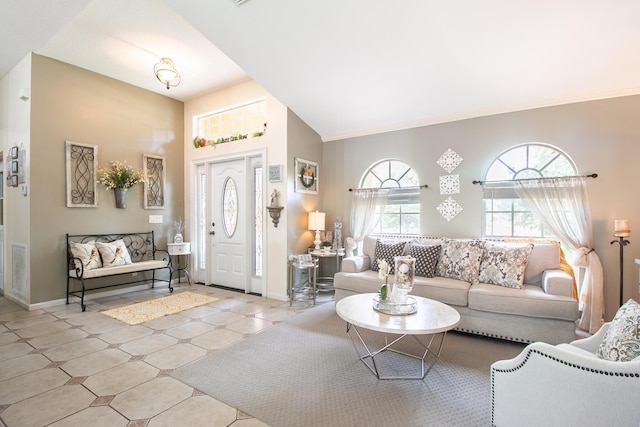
(621, 230)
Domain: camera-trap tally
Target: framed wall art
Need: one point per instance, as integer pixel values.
(154, 188)
(306, 176)
(82, 163)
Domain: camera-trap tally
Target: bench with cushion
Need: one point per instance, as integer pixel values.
(98, 256)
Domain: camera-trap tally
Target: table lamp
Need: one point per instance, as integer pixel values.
(316, 223)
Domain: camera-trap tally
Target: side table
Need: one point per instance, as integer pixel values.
(325, 282)
(176, 250)
(307, 289)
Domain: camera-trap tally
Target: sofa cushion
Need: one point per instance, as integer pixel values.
(387, 251)
(621, 342)
(531, 301)
(114, 253)
(426, 258)
(87, 253)
(503, 264)
(460, 259)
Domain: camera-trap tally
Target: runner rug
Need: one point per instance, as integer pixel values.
(305, 371)
(144, 311)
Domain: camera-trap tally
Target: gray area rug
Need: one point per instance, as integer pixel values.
(305, 372)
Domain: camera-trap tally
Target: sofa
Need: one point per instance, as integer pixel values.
(510, 290)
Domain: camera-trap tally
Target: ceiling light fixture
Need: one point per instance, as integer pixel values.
(167, 73)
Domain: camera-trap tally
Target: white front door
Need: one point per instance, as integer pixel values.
(229, 259)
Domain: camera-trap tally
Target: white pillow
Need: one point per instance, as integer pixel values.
(114, 253)
(87, 253)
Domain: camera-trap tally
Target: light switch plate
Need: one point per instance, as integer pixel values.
(155, 219)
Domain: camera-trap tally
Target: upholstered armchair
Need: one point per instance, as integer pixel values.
(565, 385)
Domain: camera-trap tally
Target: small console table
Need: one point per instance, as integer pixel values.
(176, 250)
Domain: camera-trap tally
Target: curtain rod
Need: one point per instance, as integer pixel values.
(591, 175)
(398, 188)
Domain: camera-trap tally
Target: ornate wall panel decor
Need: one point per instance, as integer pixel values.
(155, 168)
(82, 161)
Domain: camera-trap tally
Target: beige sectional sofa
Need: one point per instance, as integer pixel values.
(535, 304)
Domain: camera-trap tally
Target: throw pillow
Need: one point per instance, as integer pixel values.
(114, 253)
(621, 342)
(460, 259)
(504, 264)
(87, 253)
(426, 258)
(387, 251)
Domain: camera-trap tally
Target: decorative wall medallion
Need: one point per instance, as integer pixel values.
(449, 209)
(449, 160)
(450, 184)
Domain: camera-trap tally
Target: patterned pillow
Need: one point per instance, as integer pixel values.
(504, 264)
(426, 258)
(87, 253)
(621, 342)
(114, 253)
(460, 259)
(387, 251)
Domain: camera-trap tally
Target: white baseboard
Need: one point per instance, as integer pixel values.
(87, 297)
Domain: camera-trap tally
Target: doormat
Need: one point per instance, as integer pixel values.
(144, 311)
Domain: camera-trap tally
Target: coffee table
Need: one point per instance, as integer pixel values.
(432, 318)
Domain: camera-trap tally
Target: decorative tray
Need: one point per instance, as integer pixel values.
(395, 308)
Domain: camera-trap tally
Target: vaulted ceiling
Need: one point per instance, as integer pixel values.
(353, 67)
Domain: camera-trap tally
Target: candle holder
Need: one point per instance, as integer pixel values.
(621, 230)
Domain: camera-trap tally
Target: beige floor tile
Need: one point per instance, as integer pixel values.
(95, 362)
(102, 325)
(190, 330)
(55, 404)
(31, 384)
(200, 312)
(249, 422)
(250, 325)
(148, 344)
(250, 309)
(125, 334)
(58, 338)
(121, 378)
(26, 322)
(215, 340)
(96, 416)
(223, 318)
(8, 337)
(151, 398)
(175, 356)
(15, 349)
(196, 411)
(76, 349)
(42, 329)
(167, 322)
(276, 314)
(227, 303)
(84, 318)
(19, 313)
(21, 365)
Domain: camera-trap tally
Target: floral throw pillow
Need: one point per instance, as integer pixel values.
(114, 253)
(504, 264)
(87, 255)
(460, 259)
(426, 258)
(387, 251)
(621, 342)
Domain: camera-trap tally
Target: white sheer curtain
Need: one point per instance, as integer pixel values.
(364, 213)
(563, 206)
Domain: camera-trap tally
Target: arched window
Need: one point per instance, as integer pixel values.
(401, 214)
(505, 215)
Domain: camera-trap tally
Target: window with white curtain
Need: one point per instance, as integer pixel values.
(504, 214)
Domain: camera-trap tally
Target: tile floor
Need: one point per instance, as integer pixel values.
(62, 367)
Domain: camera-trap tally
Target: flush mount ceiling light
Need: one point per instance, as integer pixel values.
(167, 73)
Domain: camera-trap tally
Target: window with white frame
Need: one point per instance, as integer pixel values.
(238, 122)
(401, 214)
(504, 214)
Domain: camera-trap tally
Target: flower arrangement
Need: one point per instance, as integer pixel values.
(178, 226)
(120, 175)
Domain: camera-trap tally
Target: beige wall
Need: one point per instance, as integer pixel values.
(601, 137)
(125, 122)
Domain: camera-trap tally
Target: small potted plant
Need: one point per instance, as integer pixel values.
(178, 228)
(326, 246)
(119, 177)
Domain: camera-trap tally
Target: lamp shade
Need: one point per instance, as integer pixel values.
(621, 228)
(316, 221)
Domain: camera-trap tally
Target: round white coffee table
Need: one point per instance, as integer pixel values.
(431, 318)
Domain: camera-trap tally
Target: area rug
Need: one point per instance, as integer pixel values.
(305, 371)
(144, 311)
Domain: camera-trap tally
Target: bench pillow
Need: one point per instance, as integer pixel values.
(114, 253)
(87, 253)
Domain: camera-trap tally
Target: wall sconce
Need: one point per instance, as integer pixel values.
(167, 73)
(274, 213)
(621, 230)
(316, 222)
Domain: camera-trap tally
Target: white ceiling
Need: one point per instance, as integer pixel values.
(353, 67)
